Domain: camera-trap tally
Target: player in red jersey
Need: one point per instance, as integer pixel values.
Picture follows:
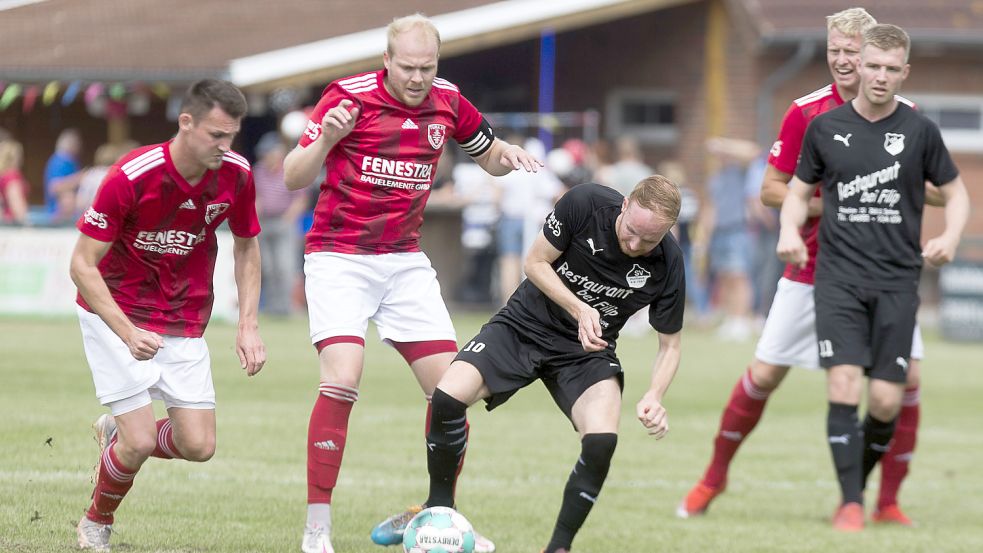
(143, 265)
(789, 335)
(379, 136)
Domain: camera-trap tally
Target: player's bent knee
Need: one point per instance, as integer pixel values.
(767, 376)
(198, 450)
(141, 447)
(448, 422)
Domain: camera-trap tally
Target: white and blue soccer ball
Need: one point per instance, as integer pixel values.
(438, 530)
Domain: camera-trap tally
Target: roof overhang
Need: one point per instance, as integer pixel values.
(461, 32)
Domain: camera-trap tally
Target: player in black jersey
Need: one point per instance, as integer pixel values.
(601, 257)
(872, 156)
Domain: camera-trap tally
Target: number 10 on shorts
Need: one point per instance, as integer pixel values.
(825, 349)
(474, 346)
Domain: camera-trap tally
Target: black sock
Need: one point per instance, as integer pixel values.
(582, 488)
(877, 438)
(447, 439)
(845, 442)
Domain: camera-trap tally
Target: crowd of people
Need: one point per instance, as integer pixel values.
(585, 247)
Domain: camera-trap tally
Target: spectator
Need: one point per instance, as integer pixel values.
(279, 213)
(13, 185)
(730, 244)
(61, 176)
(91, 177)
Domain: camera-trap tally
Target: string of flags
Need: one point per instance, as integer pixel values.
(101, 99)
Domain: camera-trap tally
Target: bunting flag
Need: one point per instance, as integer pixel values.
(9, 95)
(50, 93)
(31, 94)
(71, 92)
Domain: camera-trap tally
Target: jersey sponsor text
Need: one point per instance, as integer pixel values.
(168, 241)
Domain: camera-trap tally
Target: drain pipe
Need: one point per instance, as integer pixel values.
(803, 55)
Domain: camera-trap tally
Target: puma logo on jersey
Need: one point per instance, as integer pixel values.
(844, 139)
(593, 250)
(902, 363)
(410, 125)
(842, 439)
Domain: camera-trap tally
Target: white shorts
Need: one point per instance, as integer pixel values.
(180, 373)
(399, 292)
(789, 336)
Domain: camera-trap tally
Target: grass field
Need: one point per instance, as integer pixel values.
(251, 495)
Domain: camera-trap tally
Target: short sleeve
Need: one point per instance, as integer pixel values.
(666, 311)
(468, 120)
(785, 151)
(570, 213)
(811, 167)
(243, 221)
(114, 199)
(939, 167)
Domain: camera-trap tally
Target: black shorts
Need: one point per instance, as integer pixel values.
(865, 327)
(509, 360)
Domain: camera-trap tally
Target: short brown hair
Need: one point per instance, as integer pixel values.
(658, 194)
(205, 94)
(851, 22)
(888, 37)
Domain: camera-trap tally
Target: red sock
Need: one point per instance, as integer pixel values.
(165, 441)
(894, 464)
(467, 431)
(111, 487)
(326, 436)
(741, 415)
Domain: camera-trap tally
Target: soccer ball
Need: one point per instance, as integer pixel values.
(438, 530)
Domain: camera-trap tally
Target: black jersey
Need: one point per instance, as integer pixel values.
(873, 177)
(592, 266)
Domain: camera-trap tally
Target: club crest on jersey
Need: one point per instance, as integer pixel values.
(637, 276)
(436, 133)
(213, 211)
(893, 143)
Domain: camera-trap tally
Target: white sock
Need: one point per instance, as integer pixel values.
(319, 514)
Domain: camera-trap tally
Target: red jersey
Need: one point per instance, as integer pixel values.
(785, 154)
(8, 180)
(162, 229)
(379, 176)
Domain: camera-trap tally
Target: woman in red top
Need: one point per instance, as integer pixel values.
(13, 185)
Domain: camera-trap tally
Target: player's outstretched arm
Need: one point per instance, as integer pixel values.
(84, 269)
(503, 158)
(540, 272)
(795, 208)
(249, 346)
(942, 249)
(302, 164)
(651, 413)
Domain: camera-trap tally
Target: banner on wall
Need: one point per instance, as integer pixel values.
(34, 277)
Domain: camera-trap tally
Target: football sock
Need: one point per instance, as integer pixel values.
(877, 436)
(111, 487)
(743, 411)
(319, 514)
(165, 441)
(894, 464)
(582, 488)
(326, 436)
(446, 442)
(846, 444)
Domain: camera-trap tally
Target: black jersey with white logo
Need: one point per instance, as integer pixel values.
(873, 179)
(592, 266)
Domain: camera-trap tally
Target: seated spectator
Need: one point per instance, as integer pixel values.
(61, 177)
(13, 186)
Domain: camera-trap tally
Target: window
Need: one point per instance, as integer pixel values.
(649, 115)
(960, 118)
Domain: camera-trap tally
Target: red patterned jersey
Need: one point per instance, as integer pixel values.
(162, 230)
(785, 154)
(378, 177)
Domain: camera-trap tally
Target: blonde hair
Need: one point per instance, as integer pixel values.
(11, 155)
(888, 37)
(851, 22)
(406, 23)
(658, 194)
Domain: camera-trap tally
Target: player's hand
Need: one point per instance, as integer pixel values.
(516, 158)
(940, 250)
(143, 344)
(791, 249)
(251, 351)
(589, 329)
(339, 121)
(653, 416)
